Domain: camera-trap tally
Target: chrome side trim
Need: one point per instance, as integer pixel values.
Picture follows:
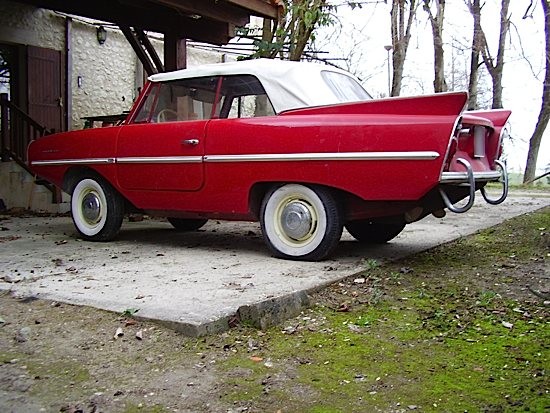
(293, 157)
(344, 156)
(160, 159)
(92, 161)
(462, 177)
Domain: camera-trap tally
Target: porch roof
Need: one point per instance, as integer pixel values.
(211, 21)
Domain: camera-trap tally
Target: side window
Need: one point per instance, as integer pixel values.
(243, 96)
(144, 113)
(179, 100)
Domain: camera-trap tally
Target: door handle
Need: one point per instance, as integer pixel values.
(192, 142)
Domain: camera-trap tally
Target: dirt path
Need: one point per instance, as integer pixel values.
(383, 340)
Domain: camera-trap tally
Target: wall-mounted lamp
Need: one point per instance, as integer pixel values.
(101, 35)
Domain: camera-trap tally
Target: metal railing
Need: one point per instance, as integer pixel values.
(17, 130)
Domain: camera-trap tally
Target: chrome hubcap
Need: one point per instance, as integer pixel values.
(91, 208)
(296, 220)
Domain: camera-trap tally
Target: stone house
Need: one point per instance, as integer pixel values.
(59, 69)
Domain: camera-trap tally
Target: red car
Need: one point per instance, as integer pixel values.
(301, 147)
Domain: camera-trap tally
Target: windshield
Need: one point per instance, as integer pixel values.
(345, 88)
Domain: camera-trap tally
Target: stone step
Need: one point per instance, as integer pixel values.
(19, 190)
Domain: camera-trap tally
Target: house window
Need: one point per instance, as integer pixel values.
(243, 96)
(179, 100)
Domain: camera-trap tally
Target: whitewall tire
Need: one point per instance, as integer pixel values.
(97, 209)
(301, 223)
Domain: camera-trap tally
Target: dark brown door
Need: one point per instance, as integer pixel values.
(45, 98)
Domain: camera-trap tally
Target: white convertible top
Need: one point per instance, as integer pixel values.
(289, 85)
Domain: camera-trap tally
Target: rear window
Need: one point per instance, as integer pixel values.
(344, 87)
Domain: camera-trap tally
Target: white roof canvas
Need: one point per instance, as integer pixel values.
(289, 85)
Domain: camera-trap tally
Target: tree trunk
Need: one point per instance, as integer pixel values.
(496, 69)
(440, 85)
(544, 115)
(306, 15)
(401, 35)
(475, 10)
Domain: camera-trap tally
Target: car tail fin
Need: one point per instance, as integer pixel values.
(498, 117)
(441, 104)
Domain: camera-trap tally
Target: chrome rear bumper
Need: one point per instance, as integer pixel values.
(470, 178)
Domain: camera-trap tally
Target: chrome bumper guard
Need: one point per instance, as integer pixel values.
(470, 178)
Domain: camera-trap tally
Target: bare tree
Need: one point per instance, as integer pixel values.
(402, 16)
(477, 42)
(436, 21)
(496, 67)
(544, 114)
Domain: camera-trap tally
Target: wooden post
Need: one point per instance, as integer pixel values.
(4, 127)
(175, 52)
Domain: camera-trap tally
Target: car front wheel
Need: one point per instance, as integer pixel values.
(181, 224)
(300, 223)
(371, 232)
(97, 209)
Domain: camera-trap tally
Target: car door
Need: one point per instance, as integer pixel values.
(162, 147)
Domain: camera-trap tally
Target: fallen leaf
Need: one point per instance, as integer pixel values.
(130, 311)
(343, 308)
(507, 324)
(119, 333)
(256, 359)
(355, 328)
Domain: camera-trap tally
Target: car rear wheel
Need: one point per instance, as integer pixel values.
(300, 223)
(181, 224)
(97, 209)
(372, 232)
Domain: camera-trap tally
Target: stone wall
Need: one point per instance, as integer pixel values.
(109, 74)
(23, 24)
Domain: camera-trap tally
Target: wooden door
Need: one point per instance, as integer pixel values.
(45, 97)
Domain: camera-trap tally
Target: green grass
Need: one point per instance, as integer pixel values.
(438, 340)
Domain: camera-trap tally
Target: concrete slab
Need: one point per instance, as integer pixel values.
(202, 282)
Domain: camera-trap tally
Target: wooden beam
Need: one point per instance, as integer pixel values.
(260, 8)
(211, 9)
(145, 42)
(146, 15)
(138, 49)
(175, 52)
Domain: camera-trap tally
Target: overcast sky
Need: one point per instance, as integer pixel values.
(361, 35)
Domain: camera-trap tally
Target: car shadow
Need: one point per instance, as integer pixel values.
(246, 237)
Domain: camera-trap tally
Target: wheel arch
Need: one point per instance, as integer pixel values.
(259, 190)
(76, 173)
